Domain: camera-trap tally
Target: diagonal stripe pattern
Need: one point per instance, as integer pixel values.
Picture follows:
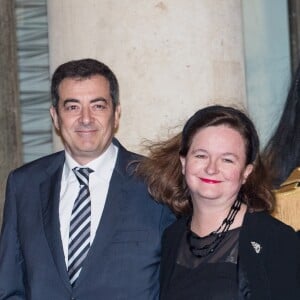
(79, 234)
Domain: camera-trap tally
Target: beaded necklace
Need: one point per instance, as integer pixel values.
(218, 234)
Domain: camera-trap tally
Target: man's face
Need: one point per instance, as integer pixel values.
(85, 117)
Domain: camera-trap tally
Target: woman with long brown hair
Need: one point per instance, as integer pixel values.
(225, 245)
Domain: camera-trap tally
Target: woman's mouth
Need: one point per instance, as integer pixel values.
(212, 181)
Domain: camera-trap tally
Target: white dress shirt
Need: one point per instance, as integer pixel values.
(99, 180)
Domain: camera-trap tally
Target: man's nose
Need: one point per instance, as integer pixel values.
(86, 115)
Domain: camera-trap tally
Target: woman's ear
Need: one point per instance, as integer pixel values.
(182, 160)
(248, 170)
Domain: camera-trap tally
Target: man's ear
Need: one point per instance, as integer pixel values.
(54, 117)
(117, 116)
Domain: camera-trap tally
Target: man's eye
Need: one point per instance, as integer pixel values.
(99, 106)
(71, 107)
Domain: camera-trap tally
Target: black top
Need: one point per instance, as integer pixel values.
(213, 277)
(268, 259)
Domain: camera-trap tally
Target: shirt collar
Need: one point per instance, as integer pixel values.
(101, 165)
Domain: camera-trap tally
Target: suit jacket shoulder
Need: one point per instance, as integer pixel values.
(37, 170)
(126, 160)
(45, 163)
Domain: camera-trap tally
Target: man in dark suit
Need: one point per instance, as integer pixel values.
(78, 224)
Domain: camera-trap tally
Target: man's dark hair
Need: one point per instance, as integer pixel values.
(83, 69)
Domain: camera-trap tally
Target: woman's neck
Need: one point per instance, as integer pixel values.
(208, 219)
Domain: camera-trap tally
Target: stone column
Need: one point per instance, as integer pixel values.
(10, 137)
(171, 57)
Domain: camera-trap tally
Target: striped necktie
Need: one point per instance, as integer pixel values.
(79, 234)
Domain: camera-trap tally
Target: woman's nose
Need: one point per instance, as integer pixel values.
(212, 166)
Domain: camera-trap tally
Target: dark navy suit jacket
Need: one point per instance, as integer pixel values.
(123, 261)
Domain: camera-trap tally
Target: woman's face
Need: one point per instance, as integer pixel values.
(214, 167)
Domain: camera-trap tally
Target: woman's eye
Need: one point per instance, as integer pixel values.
(227, 160)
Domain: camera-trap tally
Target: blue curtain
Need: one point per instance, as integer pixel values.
(267, 57)
(34, 83)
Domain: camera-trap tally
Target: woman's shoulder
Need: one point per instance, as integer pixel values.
(265, 224)
(264, 218)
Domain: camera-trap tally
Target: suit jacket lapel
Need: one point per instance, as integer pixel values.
(50, 195)
(252, 274)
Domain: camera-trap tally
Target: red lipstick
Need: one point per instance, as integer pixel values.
(206, 180)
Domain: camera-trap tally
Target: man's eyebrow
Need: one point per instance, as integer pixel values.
(72, 100)
(99, 99)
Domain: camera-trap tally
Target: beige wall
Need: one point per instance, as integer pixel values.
(171, 57)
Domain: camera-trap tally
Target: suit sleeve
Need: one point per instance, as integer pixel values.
(11, 260)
